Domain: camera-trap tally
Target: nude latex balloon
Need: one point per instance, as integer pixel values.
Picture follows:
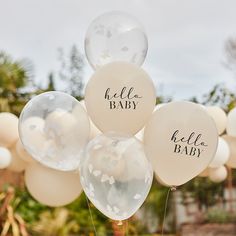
(222, 154)
(52, 133)
(219, 117)
(5, 158)
(8, 129)
(52, 187)
(218, 175)
(22, 153)
(180, 140)
(232, 148)
(115, 36)
(231, 123)
(115, 174)
(120, 97)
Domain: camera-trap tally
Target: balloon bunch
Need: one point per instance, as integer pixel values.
(98, 143)
(225, 153)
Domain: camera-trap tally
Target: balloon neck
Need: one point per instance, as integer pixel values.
(119, 223)
(173, 188)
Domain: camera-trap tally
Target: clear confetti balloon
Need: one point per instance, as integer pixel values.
(115, 174)
(115, 36)
(51, 132)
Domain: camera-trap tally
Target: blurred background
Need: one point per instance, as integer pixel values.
(192, 56)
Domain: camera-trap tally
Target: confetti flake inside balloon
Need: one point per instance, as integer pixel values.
(51, 132)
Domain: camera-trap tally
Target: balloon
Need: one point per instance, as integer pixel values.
(51, 133)
(180, 140)
(160, 181)
(115, 175)
(218, 174)
(22, 153)
(231, 123)
(52, 187)
(17, 164)
(8, 129)
(94, 131)
(222, 154)
(115, 36)
(5, 158)
(139, 135)
(219, 117)
(204, 173)
(120, 97)
(232, 147)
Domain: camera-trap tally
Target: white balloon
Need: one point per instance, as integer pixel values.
(222, 154)
(231, 123)
(158, 106)
(17, 164)
(219, 116)
(140, 134)
(52, 133)
(232, 147)
(8, 129)
(218, 174)
(52, 187)
(5, 158)
(115, 175)
(22, 153)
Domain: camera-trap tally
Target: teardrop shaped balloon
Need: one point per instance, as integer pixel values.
(115, 174)
(180, 141)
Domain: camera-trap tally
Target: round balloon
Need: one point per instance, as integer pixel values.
(120, 97)
(22, 153)
(231, 123)
(180, 140)
(217, 174)
(115, 175)
(17, 164)
(219, 117)
(115, 36)
(5, 158)
(52, 187)
(222, 154)
(51, 132)
(232, 147)
(204, 173)
(8, 129)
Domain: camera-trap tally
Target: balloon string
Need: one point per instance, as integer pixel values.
(166, 204)
(91, 216)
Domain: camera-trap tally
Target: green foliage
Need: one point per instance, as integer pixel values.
(220, 216)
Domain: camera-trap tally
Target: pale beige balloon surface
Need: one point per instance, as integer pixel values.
(222, 154)
(8, 129)
(17, 164)
(204, 173)
(22, 153)
(219, 116)
(231, 123)
(218, 175)
(120, 97)
(52, 187)
(232, 147)
(5, 158)
(180, 141)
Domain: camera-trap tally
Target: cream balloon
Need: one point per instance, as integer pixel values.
(22, 153)
(204, 173)
(160, 181)
(232, 147)
(5, 158)
(180, 140)
(17, 164)
(51, 133)
(140, 134)
(231, 123)
(120, 97)
(94, 131)
(222, 154)
(219, 117)
(52, 187)
(8, 129)
(218, 175)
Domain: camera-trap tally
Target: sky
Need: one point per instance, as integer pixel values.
(186, 37)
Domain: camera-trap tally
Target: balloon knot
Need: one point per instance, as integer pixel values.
(119, 223)
(173, 188)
